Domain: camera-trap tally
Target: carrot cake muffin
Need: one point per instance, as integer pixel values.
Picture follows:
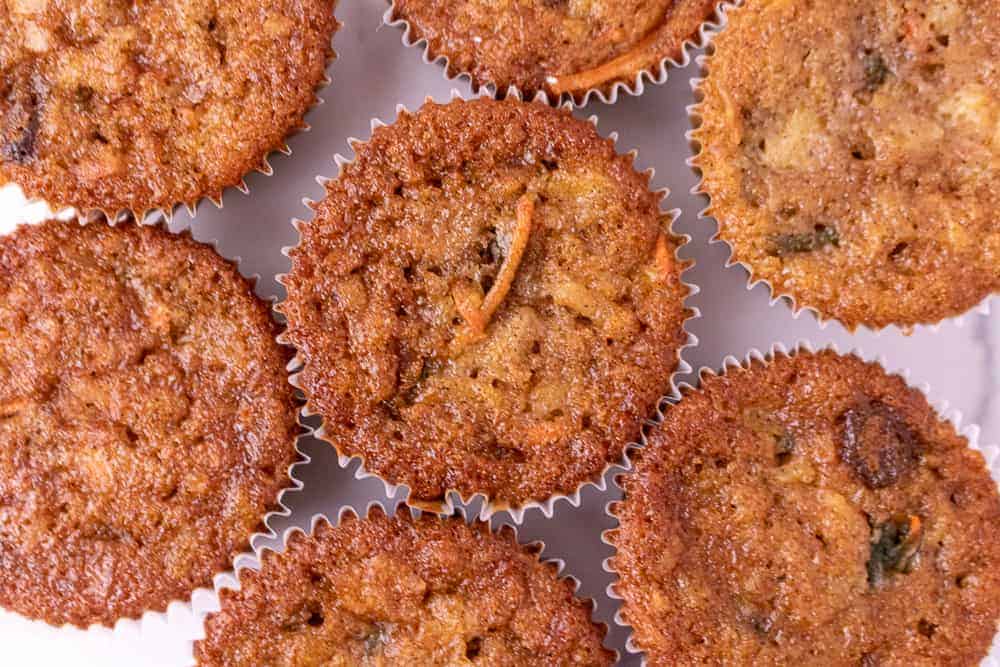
(381, 591)
(488, 301)
(559, 46)
(134, 106)
(853, 161)
(146, 421)
(812, 510)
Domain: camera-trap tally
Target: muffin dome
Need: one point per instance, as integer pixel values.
(487, 300)
(853, 161)
(146, 421)
(808, 510)
(561, 47)
(135, 106)
(403, 591)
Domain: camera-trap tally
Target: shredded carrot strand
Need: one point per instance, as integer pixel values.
(497, 293)
(730, 110)
(915, 528)
(477, 316)
(914, 536)
(470, 311)
(626, 64)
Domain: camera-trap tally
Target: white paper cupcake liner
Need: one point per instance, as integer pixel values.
(788, 300)
(129, 637)
(453, 499)
(210, 604)
(153, 215)
(634, 87)
(990, 452)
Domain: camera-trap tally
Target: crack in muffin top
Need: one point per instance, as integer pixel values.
(487, 301)
(146, 420)
(425, 591)
(134, 106)
(808, 510)
(559, 46)
(853, 161)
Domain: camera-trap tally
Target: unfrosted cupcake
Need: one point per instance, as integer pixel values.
(851, 151)
(488, 301)
(146, 422)
(402, 591)
(808, 510)
(135, 106)
(561, 46)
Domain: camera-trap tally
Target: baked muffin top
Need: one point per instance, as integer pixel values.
(133, 106)
(146, 420)
(380, 590)
(810, 510)
(559, 46)
(853, 161)
(487, 300)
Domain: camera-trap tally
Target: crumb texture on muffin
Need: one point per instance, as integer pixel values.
(487, 300)
(132, 106)
(560, 46)
(853, 162)
(146, 421)
(808, 510)
(402, 591)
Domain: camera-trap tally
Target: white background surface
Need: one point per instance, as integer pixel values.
(375, 72)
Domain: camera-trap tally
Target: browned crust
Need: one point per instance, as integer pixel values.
(873, 121)
(538, 47)
(406, 241)
(146, 420)
(154, 108)
(412, 591)
(746, 532)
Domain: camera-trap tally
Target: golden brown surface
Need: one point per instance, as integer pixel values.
(445, 356)
(560, 46)
(118, 105)
(402, 591)
(853, 160)
(811, 511)
(146, 422)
